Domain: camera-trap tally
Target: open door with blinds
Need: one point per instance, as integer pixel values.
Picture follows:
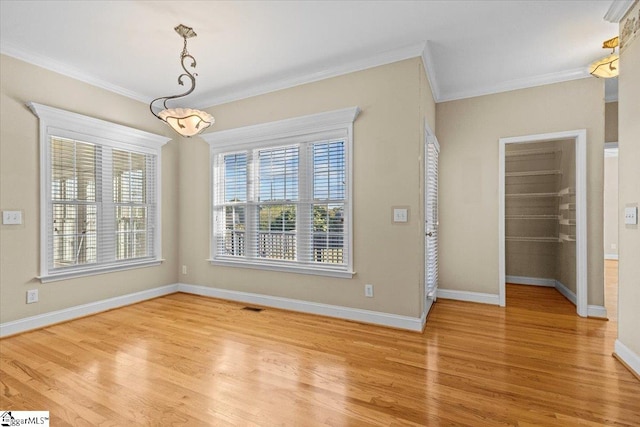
(432, 150)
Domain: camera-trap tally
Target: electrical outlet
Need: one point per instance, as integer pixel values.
(184, 269)
(32, 296)
(368, 291)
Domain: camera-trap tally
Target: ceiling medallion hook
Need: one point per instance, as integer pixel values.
(186, 121)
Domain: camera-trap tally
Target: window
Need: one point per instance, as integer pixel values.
(282, 195)
(99, 195)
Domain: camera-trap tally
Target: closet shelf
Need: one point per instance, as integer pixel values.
(566, 238)
(567, 207)
(532, 239)
(567, 221)
(531, 195)
(532, 152)
(533, 173)
(554, 217)
(569, 191)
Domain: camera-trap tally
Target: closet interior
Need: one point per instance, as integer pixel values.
(540, 220)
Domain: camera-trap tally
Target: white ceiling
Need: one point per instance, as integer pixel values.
(245, 48)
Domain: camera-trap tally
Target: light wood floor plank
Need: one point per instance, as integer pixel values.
(190, 360)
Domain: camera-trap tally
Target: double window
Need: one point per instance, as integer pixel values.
(284, 202)
(99, 195)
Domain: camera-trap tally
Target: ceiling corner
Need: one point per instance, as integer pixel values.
(430, 70)
(617, 10)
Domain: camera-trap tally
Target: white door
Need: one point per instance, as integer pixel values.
(432, 150)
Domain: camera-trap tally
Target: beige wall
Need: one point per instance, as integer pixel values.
(611, 205)
(19, 189)
(611, 122)
(388, 146)
(629, 194)
(468, 131)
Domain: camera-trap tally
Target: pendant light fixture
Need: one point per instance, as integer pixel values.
(186, 121)
(607, 67)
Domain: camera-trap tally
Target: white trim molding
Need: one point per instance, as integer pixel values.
(478, 297)
(302, 134)
(534, 281)
(340, 312)
(523, 83)
(611, 256)
(48, 63)
(311, 123)
(617, 10)
(247, 91)
(580, 138)
(430, 70)
(597, 311)
(55, 122)
(58, 316)
(626, 355)
(566, 292)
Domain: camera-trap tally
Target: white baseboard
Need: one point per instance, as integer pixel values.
(356, 314)
(628, 356)
(535, 281)
(597, 311)
(611, 256)
(46, 319)
(479, 297)
(568, 293)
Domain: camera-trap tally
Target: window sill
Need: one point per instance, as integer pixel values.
(300, 269)
(54, 277)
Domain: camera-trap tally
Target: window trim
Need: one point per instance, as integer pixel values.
(65, 124)
(298, 130)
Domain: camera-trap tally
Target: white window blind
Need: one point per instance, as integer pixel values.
(284, 203)
(74, 203)
(431, 214)
(99, 195)
(102, 205)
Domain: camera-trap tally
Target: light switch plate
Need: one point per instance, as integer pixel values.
(11, 217)
(400, 215)
(631, 215)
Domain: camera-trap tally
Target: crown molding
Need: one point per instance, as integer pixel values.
(15, 51)
(617, 10)
(524, 83)
(430, 69)
(388, 57)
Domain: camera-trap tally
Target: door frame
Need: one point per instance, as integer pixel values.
(429, 137)
(580, 138)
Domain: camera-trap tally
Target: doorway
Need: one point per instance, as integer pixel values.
(610, 231)
(575, 222)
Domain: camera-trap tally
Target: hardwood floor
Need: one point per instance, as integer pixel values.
(190, 360)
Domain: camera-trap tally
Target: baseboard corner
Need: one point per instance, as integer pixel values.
(627, 357)
(51, 318)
